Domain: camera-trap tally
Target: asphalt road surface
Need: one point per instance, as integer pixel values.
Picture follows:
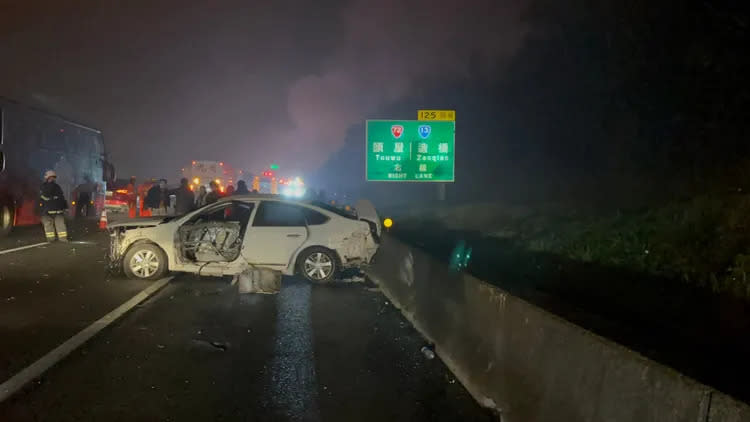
(49, 293)
(198, 350)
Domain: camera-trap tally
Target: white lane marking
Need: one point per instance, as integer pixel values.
(22, 248)
(36, 369)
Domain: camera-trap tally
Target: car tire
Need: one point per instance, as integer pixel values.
(318, 265)
(145, 261)
(7, 214)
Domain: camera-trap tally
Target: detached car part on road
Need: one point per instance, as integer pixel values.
(248, 231)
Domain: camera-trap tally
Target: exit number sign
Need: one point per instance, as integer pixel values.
(410, 151)
(441, 115)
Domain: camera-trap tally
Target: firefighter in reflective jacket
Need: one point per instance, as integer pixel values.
(53, 205)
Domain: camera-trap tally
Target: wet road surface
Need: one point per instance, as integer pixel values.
(28, 235)
(49, 293)
(22, 236)
(198, 350)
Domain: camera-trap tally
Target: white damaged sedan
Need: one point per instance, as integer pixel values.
(248, 231)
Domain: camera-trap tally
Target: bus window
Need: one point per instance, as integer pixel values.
(52, 135)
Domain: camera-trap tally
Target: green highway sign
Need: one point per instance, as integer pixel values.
(274, 167)
(410, 151)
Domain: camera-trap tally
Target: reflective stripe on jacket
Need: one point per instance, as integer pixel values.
(52, 199)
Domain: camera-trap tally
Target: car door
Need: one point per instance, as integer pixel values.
(215, 233)
(277, 232)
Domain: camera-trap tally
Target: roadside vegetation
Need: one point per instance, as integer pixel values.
(703, 241)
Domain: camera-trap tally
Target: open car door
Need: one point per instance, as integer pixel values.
(215, 235)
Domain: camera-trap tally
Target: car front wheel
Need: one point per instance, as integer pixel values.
(319, 265)
(145, 261)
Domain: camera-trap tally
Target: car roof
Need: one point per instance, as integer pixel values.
(264, 197)
(319, 206)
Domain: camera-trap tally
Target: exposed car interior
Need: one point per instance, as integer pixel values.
(216, 234)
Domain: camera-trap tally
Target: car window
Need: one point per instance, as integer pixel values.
(231, 211)
(215, 214)
(239, 211)
(279, 214)
(343, 213)
(314, 218)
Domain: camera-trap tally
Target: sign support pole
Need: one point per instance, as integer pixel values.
(441, 191)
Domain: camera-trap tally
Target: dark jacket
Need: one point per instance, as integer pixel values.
(52, 199)
(156, 198)
(241, 189)
(185, 201)
(212, 197)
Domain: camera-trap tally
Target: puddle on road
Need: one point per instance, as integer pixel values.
(82, 242)
(293, 379)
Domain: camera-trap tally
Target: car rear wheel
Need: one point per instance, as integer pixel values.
(6, 219)
(145, 261)
(319, 265)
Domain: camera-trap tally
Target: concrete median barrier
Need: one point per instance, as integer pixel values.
(529, 364)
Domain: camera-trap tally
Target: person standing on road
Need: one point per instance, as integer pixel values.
(200, 199)
(214, 195)
(230, 190)
(83, 197)
(157, 198)
(241, 188)
(185, 198)
(53, 205)
(132, 197)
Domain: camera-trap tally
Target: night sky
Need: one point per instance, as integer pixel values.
(239, 81)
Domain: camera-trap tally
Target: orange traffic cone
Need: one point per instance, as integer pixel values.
(103, 220)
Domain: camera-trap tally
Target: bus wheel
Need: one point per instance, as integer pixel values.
(6, 219)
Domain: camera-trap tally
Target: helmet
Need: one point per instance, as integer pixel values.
(49, 173)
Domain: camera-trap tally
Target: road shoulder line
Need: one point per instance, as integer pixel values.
(36, 369)
(21, 248)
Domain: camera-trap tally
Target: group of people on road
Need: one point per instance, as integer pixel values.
(157, 200)
(204, 197)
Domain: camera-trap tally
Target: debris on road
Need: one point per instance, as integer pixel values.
(428, 352)
(210, 345)
(220, 345)
(259, 281)
(354, 279)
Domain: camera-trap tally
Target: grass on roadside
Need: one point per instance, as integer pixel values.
(704, 241)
